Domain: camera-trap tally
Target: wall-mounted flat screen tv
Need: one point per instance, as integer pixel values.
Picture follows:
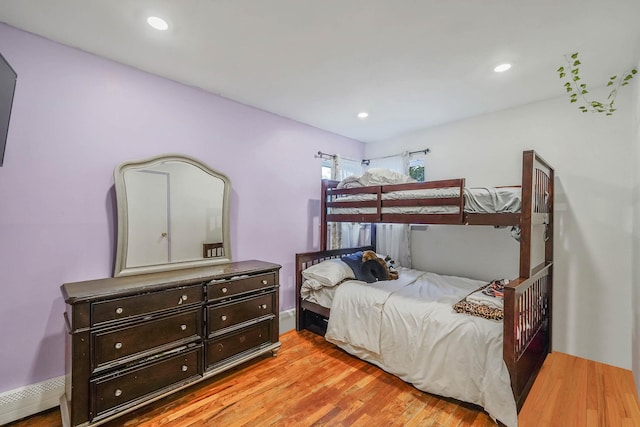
(7, 87)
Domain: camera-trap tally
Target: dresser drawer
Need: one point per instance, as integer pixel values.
(114, 345)
(217, 290)
(139, 305)
(235, 343)
(129, 387)
(227, 315)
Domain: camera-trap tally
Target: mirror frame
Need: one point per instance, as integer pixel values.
(120, 268)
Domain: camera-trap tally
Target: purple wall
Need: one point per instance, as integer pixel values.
(75, 117)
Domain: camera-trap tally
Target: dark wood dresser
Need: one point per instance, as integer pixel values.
(135, 339)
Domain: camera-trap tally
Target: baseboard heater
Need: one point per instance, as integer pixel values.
(28, 400)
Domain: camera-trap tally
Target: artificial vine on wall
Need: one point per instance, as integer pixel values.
(578, 90)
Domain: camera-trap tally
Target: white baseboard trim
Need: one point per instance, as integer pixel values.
(28, 400)
(287, 320)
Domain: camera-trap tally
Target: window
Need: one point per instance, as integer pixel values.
(326, 168)
(416, 169)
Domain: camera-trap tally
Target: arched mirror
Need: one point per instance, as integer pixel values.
(173, 213)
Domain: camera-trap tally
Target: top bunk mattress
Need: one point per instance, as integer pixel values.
(476, 200)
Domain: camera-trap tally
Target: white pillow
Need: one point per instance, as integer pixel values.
(350, 182)
(329, 272)
(378, 176)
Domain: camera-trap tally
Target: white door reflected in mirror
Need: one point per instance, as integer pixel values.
(148, 243)
(172, 214)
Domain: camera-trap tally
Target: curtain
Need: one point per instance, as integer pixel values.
(345, 234)
(394, 239)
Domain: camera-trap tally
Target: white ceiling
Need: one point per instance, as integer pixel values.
(411, 64)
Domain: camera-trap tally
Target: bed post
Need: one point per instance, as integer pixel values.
(549, 251)
(323, 215)
(525, 213)
(527, 300)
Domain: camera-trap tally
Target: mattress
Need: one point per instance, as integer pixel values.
(408, 328)
(476, 200)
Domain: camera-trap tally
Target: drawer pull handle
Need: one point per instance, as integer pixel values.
(263, 306)
(183, 327)
(184, 368)
(264, 281)
(223, 318)
(118, 345)
(119, 310)
(118, 392)
(224, 290)
(184, 297)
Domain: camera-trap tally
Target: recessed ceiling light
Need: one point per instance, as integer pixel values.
(157, 23)
(502, 68)
(363, 115)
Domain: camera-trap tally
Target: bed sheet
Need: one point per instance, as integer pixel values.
(477, 200)
(409, 329)
(322, 296)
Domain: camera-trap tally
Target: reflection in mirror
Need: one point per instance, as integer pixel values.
(172, 214)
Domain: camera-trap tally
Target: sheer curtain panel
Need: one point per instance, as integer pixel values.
(394, 239)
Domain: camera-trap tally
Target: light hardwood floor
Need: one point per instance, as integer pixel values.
(311, 382)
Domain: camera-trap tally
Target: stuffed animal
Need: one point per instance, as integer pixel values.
(390, 273)
(393, 273)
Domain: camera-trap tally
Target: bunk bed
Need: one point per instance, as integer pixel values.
(526, 326)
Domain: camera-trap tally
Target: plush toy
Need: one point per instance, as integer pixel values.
(393, 273)
(390, 273)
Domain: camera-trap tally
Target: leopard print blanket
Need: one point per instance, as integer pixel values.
(473, 309)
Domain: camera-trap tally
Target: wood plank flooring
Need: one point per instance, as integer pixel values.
(311, 382)
(570, 391)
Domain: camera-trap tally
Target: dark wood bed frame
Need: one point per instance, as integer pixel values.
(527, 299)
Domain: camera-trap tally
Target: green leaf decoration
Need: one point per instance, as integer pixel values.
(571, 76)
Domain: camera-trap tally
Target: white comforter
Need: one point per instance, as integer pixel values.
(408, 328)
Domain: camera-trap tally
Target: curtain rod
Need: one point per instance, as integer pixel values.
(367, 161)
(322, 155)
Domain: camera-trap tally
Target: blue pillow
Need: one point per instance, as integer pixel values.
(355, 262)
(369, 271)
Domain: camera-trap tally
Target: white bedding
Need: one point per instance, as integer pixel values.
(408, 328)
(318, 295)
(476, 200)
